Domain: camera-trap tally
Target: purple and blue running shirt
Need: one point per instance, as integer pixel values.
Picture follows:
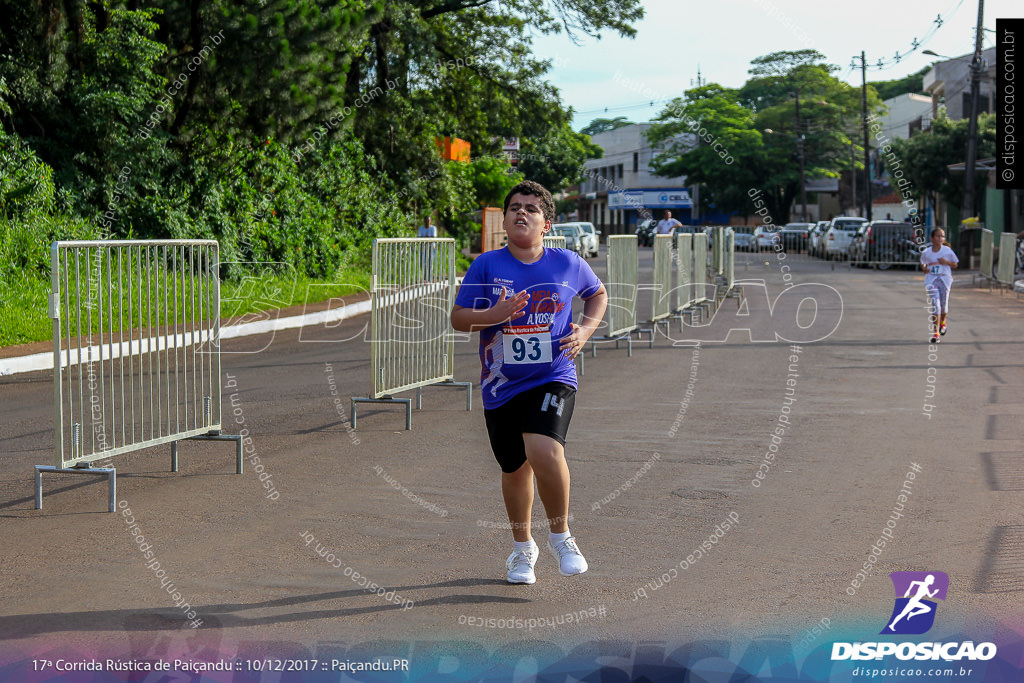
(523, 353)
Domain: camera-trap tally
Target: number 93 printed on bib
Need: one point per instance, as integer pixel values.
(526, 344)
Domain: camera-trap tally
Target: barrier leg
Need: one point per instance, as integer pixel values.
(174, 456)
(448, 383)
(386, 399)
(237, 438)
(109, 472)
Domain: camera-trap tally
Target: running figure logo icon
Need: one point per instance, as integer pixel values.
(914, 613)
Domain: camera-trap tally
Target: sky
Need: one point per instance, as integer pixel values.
(721, 37)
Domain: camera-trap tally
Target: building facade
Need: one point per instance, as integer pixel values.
(619, 189)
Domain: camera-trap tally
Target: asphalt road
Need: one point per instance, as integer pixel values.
(657, 470)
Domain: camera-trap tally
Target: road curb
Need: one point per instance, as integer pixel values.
(44, 361)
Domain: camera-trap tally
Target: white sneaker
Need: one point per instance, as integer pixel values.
(570, 559)
(520, 565)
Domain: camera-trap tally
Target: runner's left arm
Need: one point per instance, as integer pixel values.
(593, 312)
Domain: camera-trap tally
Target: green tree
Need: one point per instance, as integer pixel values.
(728, 128)
(757, 127)
(925, 158)
(604, 125)
(556, 159)
(914, 83)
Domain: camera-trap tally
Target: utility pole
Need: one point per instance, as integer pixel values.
(864, 118)
(853, 172)
(800, 154)
(969, 208)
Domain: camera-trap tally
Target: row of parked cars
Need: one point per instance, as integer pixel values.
(881, 243)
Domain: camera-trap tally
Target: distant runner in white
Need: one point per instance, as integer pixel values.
(938, 262)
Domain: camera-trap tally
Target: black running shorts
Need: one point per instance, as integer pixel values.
(544, 410)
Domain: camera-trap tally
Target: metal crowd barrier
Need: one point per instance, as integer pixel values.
(700, 268)
(621, 284)
(661, 297)
(718, 250)
(684, 272)
(136, 351)
(730, 262)
(554, 241)
(987, 249)
(1007, 253)
(412, 344)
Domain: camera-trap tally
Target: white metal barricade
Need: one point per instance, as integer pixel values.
(621, 285)
(718, 250)
(554, 241)
(987, 249)
(661, 297)
(730, 261)
(136, 351)
(700, 267)
(412, 342)
(1007, 254)
(700, 272)
(684, 271)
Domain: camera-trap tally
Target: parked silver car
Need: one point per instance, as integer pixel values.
(573, 237)
(588, 235)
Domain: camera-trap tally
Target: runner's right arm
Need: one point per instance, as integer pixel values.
(476, 319)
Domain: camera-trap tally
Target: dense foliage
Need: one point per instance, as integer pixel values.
(736, 142)
(293, 131)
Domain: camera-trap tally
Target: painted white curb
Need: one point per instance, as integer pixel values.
(44, 361)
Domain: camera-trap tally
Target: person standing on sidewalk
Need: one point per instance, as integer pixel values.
(938, 262)
(428, 252)
(520, 300)
(667, 224)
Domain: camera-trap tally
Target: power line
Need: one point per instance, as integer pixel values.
(915, 44)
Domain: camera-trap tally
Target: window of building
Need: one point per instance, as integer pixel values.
(636, 162)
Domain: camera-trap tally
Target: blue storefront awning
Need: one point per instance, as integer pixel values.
(659, 198)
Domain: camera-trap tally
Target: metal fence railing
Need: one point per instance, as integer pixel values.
(718, 248)
(700, 268)
(136, 351)
(661, 296)
(730, 261)
(412, 344)
(1007, 255)
(684, 271)
(622, 283)
(987, 249)
(554, 241)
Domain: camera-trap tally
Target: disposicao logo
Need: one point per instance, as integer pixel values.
(913, 614)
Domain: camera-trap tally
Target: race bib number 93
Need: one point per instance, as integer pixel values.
(526, 344)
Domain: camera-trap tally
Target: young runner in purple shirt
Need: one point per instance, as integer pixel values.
(520, 300)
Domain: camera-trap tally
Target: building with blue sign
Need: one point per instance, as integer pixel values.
(619, 189)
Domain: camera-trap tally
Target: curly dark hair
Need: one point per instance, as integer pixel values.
(529, 187)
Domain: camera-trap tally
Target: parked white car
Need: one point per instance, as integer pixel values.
(817, 240)
(765, 238)
(589, 236)
(840, 234)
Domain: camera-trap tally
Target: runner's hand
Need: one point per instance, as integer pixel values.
(510, 308)
(573, 342)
